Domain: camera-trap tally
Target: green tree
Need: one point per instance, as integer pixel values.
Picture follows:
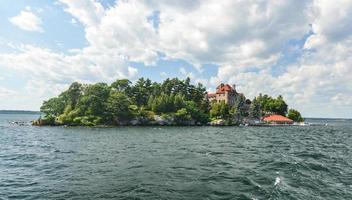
(182, 116)
(241, 105)
(141, 91)
(281, 106)
(269, 104)
(122, 85)
(295, 115)
(72, 94)
(119, 107)
(254, 109)
(219, 110)
(53, 107)
(93, 100)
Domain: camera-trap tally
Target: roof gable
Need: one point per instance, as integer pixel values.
(277, 118)
(222, 88)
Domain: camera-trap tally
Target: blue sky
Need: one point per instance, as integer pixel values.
(299, 49)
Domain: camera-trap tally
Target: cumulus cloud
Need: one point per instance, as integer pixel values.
(50, 72)
(238, 32)
(321, 77)
(88, 12)
(86, 65)
(246, 39)
(27, 21)
(242, 33)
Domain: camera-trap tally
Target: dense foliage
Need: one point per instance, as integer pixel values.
(295, 115)
(144, 102)
(270, 105)
(122, 101)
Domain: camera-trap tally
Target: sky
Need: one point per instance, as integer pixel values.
(299, 49)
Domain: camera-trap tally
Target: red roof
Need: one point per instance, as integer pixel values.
(277, 118)
(222, 88)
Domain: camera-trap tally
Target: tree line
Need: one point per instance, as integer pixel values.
(179, 102)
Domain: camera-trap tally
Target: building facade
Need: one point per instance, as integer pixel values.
(225, 93)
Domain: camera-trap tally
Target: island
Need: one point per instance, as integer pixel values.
(172, 102)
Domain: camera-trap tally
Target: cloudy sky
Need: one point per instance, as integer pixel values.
(300, 49)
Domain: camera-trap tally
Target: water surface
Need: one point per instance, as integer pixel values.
(175, 162)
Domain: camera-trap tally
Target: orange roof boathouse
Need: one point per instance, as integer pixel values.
(277, 119)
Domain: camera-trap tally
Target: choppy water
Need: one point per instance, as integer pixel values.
(175, 162)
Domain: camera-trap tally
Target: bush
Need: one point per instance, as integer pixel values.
(295, 115)
(182, 116)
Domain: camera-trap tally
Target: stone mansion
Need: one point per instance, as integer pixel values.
(224, 92)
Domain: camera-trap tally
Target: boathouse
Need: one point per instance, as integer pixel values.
(277, 119)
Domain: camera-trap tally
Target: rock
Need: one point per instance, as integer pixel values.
(218, 122)
(135, 122)
(163, 120)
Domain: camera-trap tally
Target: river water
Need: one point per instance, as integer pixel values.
(175, 162)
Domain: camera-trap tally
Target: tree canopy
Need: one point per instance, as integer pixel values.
(295, 115)
(179, 100)
(271, 105)
(103, 104)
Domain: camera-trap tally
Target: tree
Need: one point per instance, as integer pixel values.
(240, 105)
(281, 106)
(295, 115)
(72, 94)
(269, 104)
(141, 91)
(254, 109)
(119, 107)
(219, 110)
(53, 107)
(122, 85)
(92, 102)
(182, 116)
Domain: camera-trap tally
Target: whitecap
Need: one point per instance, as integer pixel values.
(277, 181)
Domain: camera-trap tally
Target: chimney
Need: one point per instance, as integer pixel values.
(234, 87)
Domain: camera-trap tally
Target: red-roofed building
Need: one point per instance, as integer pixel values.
(277, 119)
(224, 92)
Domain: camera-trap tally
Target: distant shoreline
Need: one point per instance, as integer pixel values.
(26, 112)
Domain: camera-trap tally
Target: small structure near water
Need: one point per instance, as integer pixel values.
(277, 119)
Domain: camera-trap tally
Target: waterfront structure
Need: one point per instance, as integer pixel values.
(277, 119)
(225, 93)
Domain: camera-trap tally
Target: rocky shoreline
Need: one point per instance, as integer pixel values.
(156, 121)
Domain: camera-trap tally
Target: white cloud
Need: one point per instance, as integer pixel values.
(123, 28)
(235, 35)
(50, 72)
(242, 33)
(88, 12)
(222, 36)
(27, 21)
(5, 92)
(85, 65)
(320, 82)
